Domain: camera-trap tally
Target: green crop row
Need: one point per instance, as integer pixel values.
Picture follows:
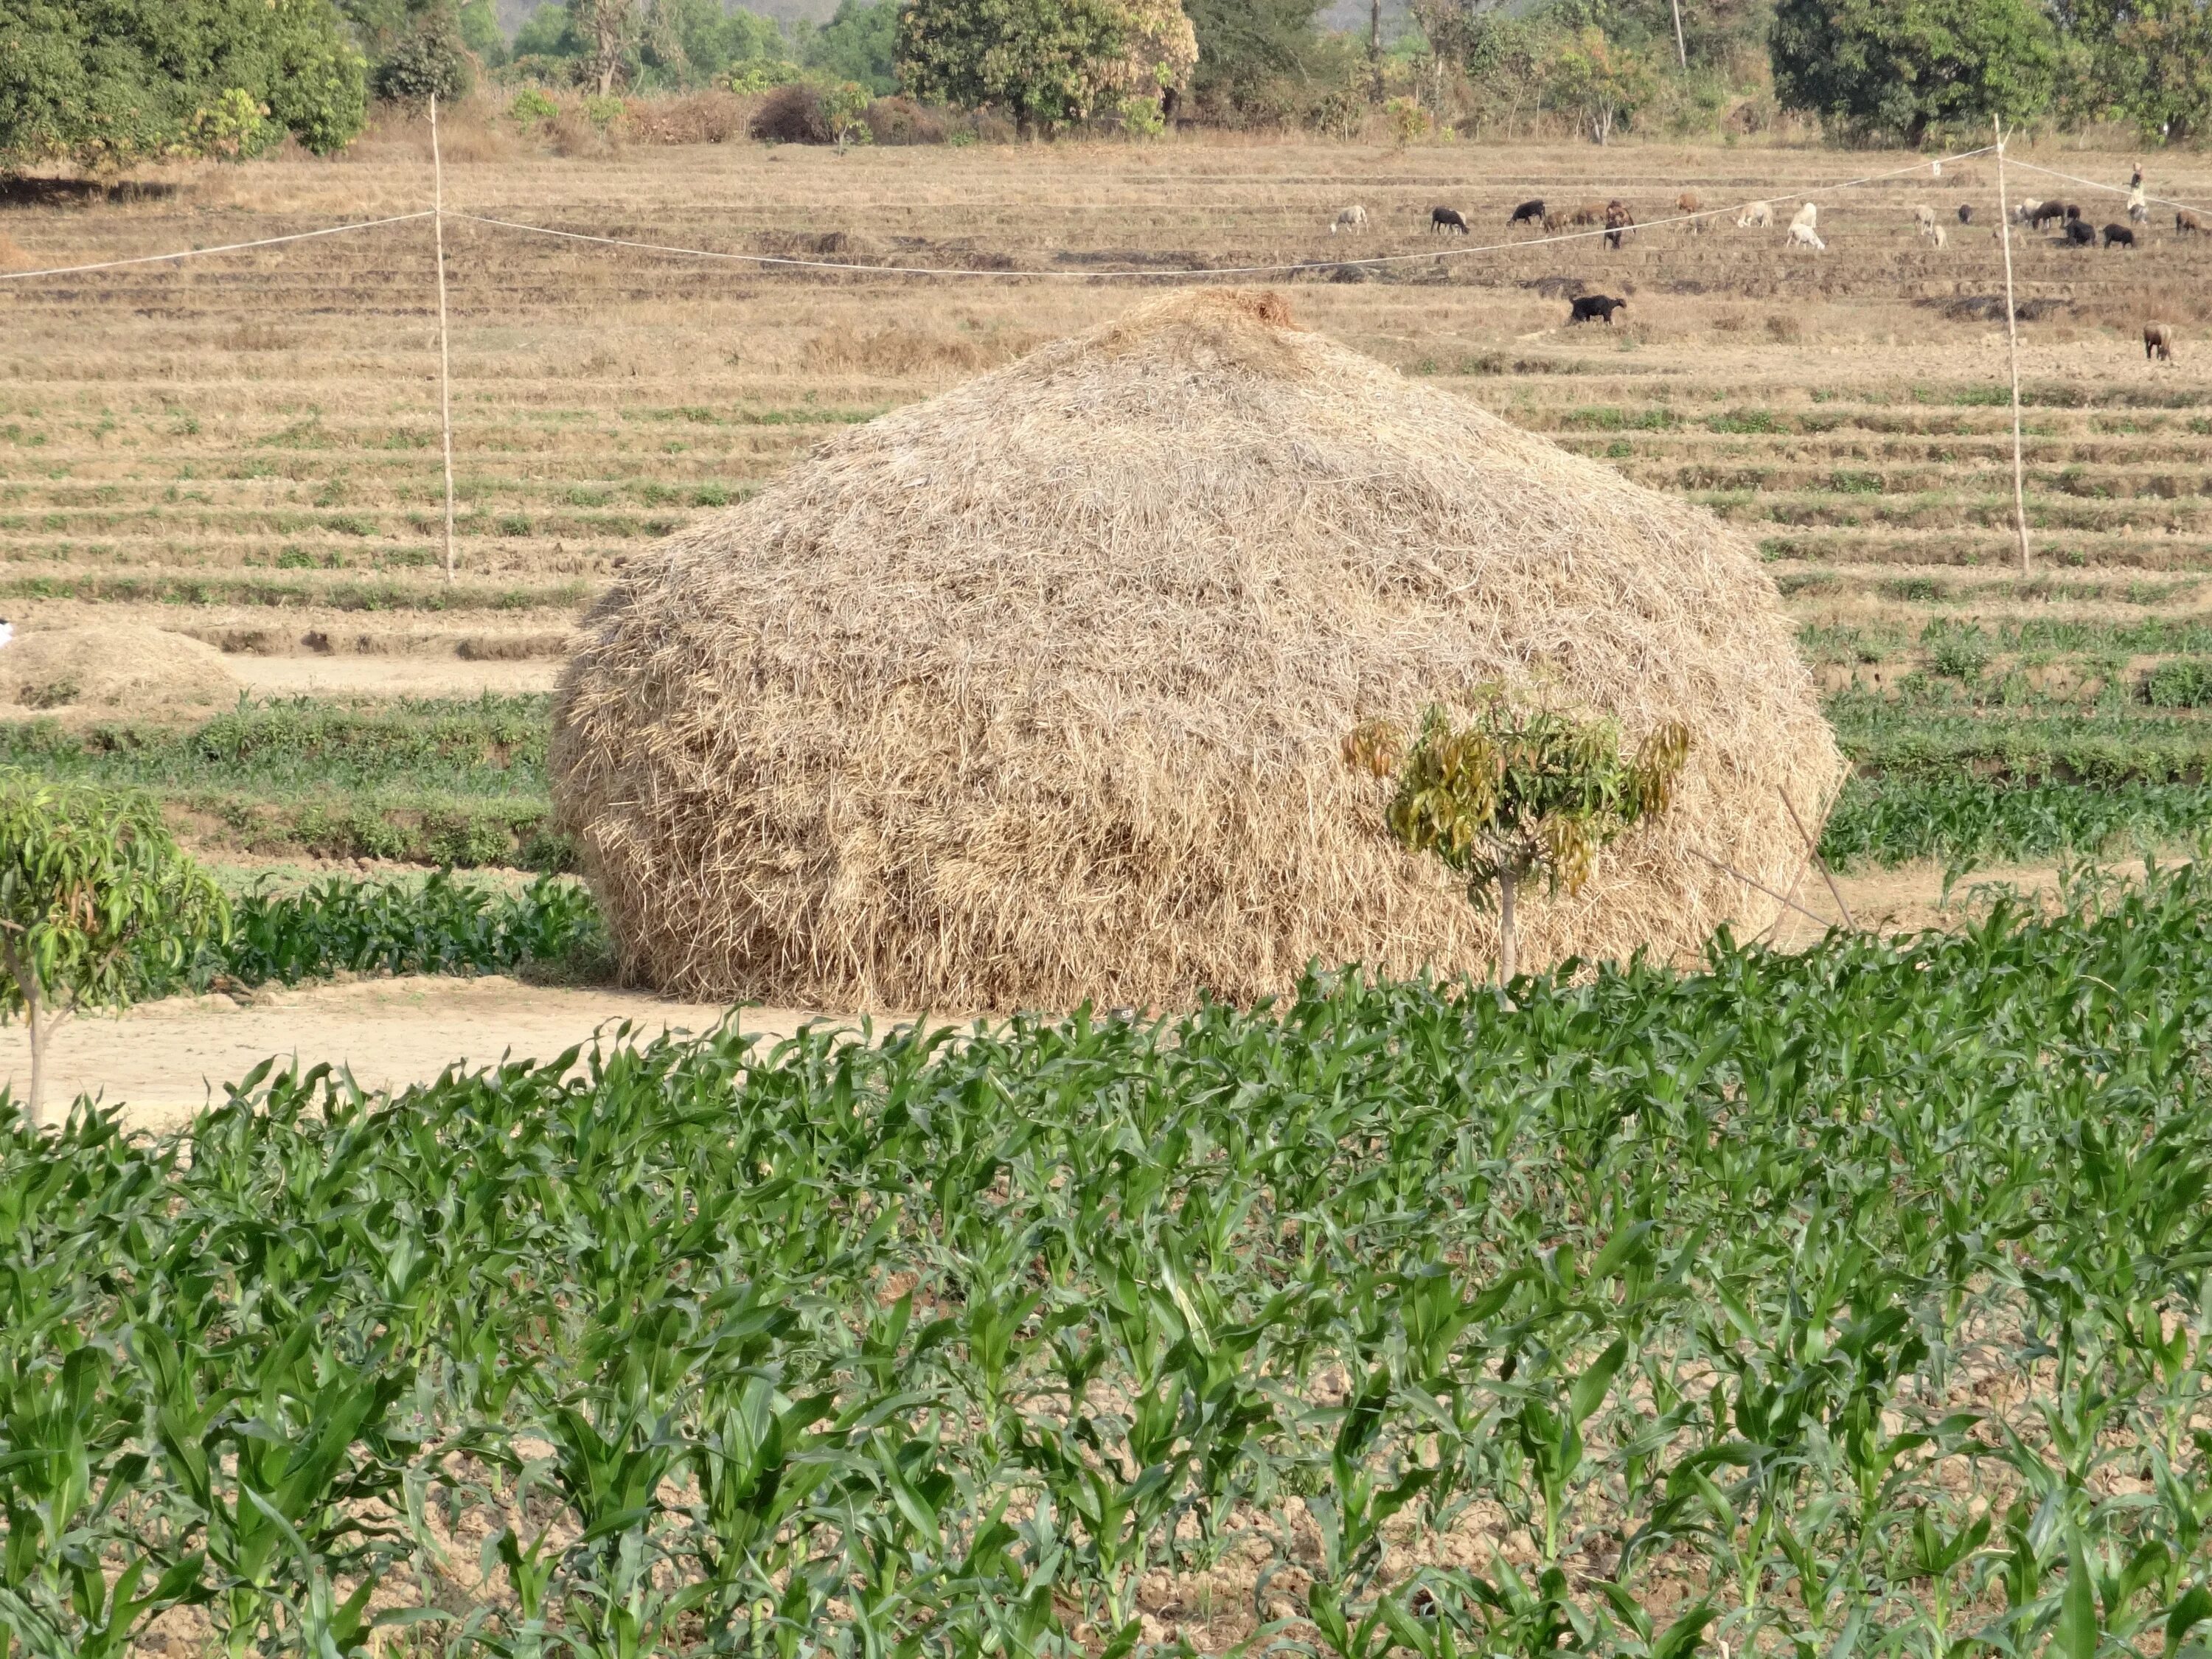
(490, 745)
(435, 926)
(1848, 1302)
(1967, 821)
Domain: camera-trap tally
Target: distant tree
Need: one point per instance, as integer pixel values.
(2148, 61)
(480, 32)
(427, 57)
(1597, 80)
(105, 84)
(1246, 48)
(859, 44)
(1517, 793)
(1905, 69)
(96, 899)
(1045, 63)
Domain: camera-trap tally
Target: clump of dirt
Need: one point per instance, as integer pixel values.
(118, 666)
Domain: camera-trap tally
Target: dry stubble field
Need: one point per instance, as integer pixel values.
(245, 448)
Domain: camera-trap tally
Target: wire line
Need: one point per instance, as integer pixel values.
(227, 247)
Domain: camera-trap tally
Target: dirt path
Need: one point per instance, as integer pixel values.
(167, 1058)
(394, 675)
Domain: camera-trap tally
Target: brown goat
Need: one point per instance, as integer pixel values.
(2187, 222)
(2158, 341)
(1618, 221)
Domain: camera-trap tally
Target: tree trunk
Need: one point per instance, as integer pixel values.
(1505, 968)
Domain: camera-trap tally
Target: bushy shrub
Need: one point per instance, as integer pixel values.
(903, 121)
(764, 74)
(531, 108)
(792, 115)
(430, 61)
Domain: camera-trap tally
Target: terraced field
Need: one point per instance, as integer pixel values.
(245, 448)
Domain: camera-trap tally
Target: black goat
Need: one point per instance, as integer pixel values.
(1527, 213)
(2079, 235)
(1447, 220)
(1591, 308)
(2118, 236)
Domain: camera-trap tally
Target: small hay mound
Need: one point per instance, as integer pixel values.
(1035, 692)
(119, 667)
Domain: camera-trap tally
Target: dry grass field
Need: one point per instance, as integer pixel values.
(245, 448)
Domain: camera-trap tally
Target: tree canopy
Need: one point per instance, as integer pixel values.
(105, 83)
(1905, 69)
(1044, 63)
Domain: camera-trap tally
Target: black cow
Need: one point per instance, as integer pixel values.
(1447, 220)
(1595, 307)
(1527, 213)
(2118, 236)
(2079, 235)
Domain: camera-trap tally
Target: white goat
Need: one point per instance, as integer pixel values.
(1353, 218)
(1924, 219)
(1808, 218)
(1806, 236)
(1758, 216)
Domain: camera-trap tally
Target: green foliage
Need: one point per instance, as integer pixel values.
(436, 925)
(480, 32)
(2148, 61)
(1598, 80)
(859, 44)
(1044, 63)
(1966, 822)
(531, 108)
(431, 60)
(1406, 120)
(844, 110)
(1860, 1290)
(105, 84)
(2183, 683)
(94, 895)
(1905, 69)
(1261, 57)
(764, 74)
(1516, 792)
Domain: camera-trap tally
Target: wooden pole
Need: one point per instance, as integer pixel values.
(445, 340)
(1682, 51)
(2012, 343)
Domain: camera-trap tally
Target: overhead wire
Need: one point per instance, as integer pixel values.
(227, 247)
(1118, 274)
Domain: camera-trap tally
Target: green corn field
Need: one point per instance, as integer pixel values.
(1847, 1303)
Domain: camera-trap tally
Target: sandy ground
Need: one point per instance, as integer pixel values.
(364, 676)
(164, 1060)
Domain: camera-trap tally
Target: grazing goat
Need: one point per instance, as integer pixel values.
(1590, 213)
(1618, 221)
(1353, 218)
(1592, 306)
(1447, 220)
(1806, 236)
(2073, 213)
(1936, 236)
(1526, 212)
(1808, 216)
(2158, 341)
(1924, 219)
(1758, 217)
(2189, 223)
(2042, 214)
(2080, 233)
(2118, 236)
(1966, 213)
(1688, 204)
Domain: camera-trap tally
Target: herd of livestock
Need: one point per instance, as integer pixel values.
(1614, 221)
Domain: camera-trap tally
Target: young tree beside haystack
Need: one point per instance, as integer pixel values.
(1515, 792)
(96, 899)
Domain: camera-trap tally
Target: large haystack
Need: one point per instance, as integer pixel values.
(1035, 692)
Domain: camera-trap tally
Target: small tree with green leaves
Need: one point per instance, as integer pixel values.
(1515, 792)
(97, 901)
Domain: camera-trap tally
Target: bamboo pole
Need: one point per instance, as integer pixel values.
(2012, 343)
(445, 340)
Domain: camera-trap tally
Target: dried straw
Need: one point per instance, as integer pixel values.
(1035, 692)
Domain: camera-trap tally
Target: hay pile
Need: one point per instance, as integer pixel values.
(114, 667)
(1035, 692)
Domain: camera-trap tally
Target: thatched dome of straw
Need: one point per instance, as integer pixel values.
(1035, 692)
